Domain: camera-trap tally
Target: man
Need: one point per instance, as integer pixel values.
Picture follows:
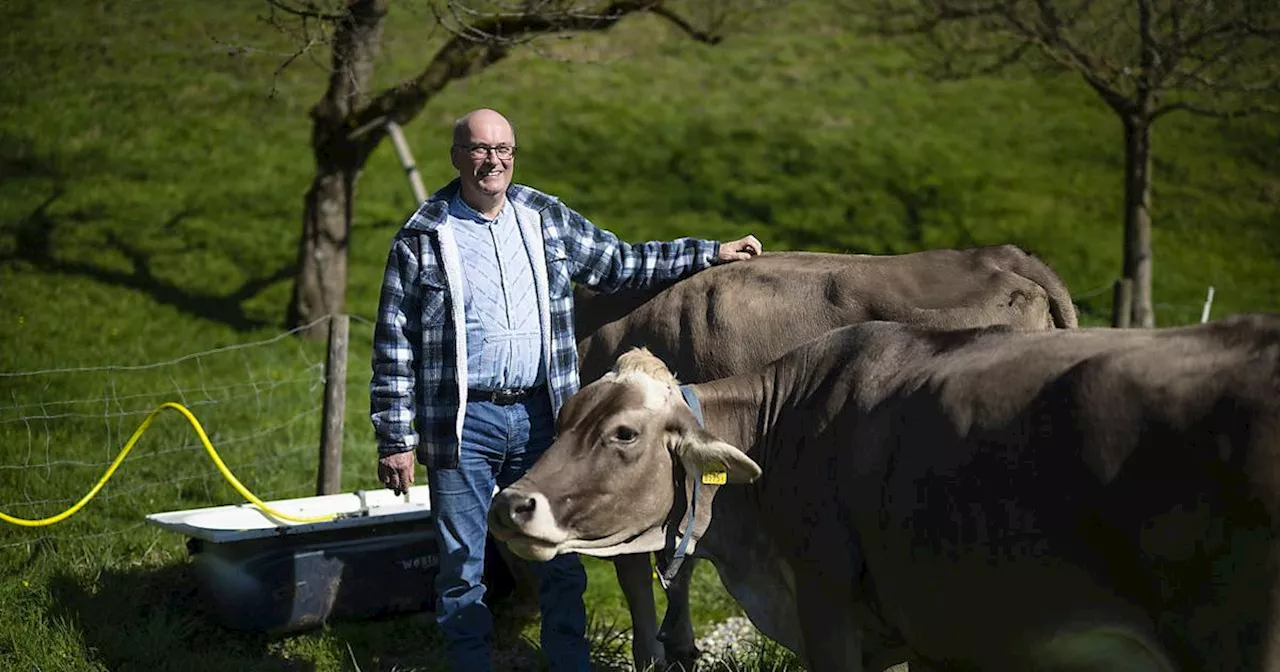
(474, 354)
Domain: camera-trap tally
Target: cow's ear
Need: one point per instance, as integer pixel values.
(704, 453)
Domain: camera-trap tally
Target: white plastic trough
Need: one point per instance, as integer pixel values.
(239, 522)
(255, 572)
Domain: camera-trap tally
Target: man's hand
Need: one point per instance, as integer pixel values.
(737, 250)
(396, 471)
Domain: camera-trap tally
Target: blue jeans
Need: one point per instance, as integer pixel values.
(499, 444)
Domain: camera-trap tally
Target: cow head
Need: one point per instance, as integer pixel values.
(608, 484)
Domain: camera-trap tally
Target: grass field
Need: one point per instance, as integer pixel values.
(154, 164)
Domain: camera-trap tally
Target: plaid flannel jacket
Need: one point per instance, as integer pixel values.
(418, 388)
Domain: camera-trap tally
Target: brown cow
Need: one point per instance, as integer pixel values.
(1089, 499)
(738, 317)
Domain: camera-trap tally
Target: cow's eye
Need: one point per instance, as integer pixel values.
(625, 434)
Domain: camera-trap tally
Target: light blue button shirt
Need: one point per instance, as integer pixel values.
(504, 338)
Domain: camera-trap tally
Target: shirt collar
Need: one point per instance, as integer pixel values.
(459, 208)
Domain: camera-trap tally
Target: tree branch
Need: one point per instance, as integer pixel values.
(680, 22)
(943, 12)
(1207, 84)
(465, 54)
(309, 10)
(304, 49)
(1053, 37)
(1002, 58)
(535, 17)
(1215, 113)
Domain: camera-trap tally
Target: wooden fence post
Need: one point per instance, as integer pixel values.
(329, 476)
(1122, 304)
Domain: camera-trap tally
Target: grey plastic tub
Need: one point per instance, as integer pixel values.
(256, 573)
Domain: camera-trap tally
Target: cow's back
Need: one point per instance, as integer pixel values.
(736, 317)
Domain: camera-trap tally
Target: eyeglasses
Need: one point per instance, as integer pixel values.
(480, 151)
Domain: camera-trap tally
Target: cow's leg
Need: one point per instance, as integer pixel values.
(676, 633)
(635, 577)
(832, 640)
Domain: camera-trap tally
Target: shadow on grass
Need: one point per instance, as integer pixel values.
(152, 619)
(412, 643)
(34, 235)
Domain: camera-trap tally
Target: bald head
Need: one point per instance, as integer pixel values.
(481, 121)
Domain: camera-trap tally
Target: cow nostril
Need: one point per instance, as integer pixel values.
(526, 507)
(516, 507)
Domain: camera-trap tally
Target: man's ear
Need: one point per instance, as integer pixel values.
(703, 453)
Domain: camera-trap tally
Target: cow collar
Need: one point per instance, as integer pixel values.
(695, 405)
(691, 398)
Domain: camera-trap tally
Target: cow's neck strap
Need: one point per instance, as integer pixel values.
(678, 559)
(691, 398)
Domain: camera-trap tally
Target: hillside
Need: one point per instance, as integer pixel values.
(154, 163)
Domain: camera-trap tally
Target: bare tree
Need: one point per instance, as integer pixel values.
(1144, 58)
(350, 119)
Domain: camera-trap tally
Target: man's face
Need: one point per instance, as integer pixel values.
(484, 155)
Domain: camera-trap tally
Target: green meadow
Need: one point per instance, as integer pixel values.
(153, 161)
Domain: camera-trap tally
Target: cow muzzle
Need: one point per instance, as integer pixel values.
(524, 522)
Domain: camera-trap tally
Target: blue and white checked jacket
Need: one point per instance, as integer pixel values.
(418, 389)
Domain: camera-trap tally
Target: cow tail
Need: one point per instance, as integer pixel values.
(1060, 305)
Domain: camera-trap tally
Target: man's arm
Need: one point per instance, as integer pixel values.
(606, 263)
(395, 343)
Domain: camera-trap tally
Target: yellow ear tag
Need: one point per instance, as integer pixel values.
(715, 478)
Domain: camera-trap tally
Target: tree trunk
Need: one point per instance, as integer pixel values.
(1137, 216)
(320, 285)
(319, 288)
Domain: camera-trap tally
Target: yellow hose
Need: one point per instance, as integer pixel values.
(213, 455)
